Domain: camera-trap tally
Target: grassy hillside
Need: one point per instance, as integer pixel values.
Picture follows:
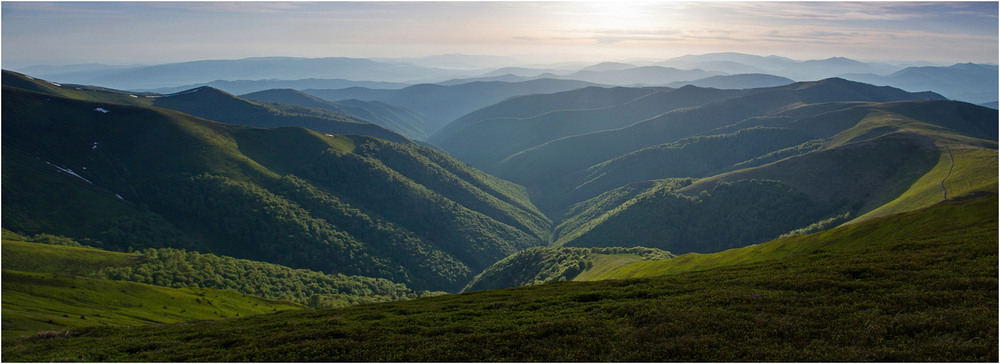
(942, 222)
(149, 177)
(544, 265)
(38, 302)
(182, 269)
(919, 286)
(958, 172)
(836, 162)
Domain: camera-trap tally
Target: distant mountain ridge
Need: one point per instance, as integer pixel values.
(780, 66)
(737, 81)
(440, 104)
(239, 87)
(289, 68)
(975, 83)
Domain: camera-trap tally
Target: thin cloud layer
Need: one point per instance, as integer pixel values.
(158, 32)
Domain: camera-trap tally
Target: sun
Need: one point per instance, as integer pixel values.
(621, 15)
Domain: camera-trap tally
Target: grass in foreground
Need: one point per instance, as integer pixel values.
(35, 302)
(930, 295)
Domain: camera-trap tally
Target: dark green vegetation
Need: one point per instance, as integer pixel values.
(334, 217)
(213, 104)
(140, 177)
(55, 287)
(918, 286)
(180, 269)
(48, 303)
(736, 167)
(543, 265)
(394, 118)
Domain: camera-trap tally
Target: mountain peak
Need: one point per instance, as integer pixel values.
(201, 89)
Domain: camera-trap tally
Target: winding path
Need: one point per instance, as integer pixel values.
(944, 191)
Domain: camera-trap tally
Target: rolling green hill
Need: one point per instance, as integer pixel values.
(145, 177)
(918, 286)
(46, 303)
(48, 288)
(941, 222)
(895, 172)
(545, 168)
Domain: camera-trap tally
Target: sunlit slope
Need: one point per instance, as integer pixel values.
(34, 302)
(919, 286)
(863, 158)
(545, 167)
(947, 221)
(181, 269)
(844, 166)
(546, 264)
(53, 287)
(150, 177)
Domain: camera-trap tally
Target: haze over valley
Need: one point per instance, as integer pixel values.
(537, 181)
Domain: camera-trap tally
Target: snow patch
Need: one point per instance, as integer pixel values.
(134, 96)
(191, 91)
(56, 84)
(29, 77)
(69, 171)
(101, 109)
(119, 196)
(331, 135)
(94, 146)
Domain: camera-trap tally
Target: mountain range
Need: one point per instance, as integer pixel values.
(143, 77)
(440, 104)
(747, 195)
(779, 155)
(358, 77)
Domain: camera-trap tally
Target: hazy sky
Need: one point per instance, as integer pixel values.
(58, 33)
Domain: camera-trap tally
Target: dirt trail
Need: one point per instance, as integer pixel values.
(944, 191)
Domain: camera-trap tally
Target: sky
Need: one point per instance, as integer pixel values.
(122, 33)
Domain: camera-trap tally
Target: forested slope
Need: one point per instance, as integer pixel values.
(147, 177)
